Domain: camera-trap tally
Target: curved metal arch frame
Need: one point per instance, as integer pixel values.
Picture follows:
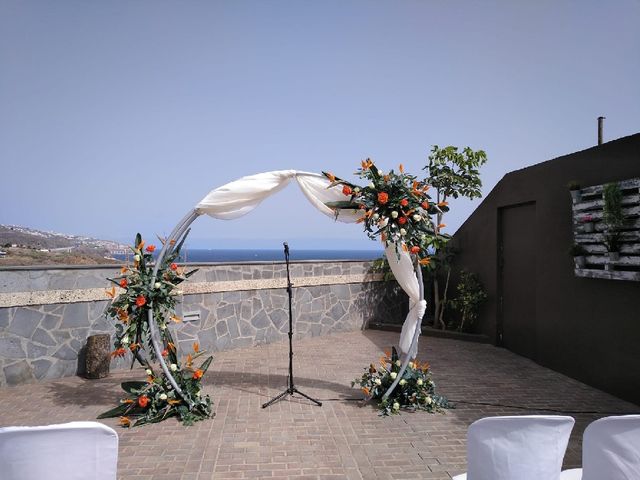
(177, 233)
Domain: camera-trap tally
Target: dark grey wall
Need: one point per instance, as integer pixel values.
(586, 328)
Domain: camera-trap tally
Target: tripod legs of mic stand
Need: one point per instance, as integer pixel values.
(290, 391)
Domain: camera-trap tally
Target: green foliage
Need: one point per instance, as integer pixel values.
(612, 241)
(395, 209)
(415, 391)
(612, 213)
(471, 295)
(155, 400)
(455, 174)
(139, 292)
(577, 250)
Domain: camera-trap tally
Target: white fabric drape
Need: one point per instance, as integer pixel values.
(404, 273)
(238, 198)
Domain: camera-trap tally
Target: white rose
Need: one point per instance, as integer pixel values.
(394, 214)
(136, 258)
(371, 185)
(393, 375)
(396, 406)
(377, 381)
(419, 382)
(157, 285)
(356, 190)
(198, 394)
(412, 365)
(403, 381)
(383, 222)
(163, 396)
(163, 326)
(398, 363)
(417, 217)
(428, 400)
(423, 237)
(173, 367)
(125, 340)
(380, 172)
(376, 216)
(149, 372)
(403, 232)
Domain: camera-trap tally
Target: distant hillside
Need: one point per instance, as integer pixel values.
(28, 246)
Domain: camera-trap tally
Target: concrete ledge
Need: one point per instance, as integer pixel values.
(50, 297)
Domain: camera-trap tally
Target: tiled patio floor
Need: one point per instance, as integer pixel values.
(340, 440)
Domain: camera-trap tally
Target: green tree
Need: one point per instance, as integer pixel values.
(452, 174)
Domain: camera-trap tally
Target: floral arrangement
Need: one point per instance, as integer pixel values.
(396, 209)
(415, 391)
(155, 399)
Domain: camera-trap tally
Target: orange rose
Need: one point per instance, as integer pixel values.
(197, 375)
(404, 202)
(151, 248)
(415, 249)
(143, 401)
(173, 266)
(346, 190)
(402, 220)
(425, 205)
(124, 283)
(140, 300)
(383, 197)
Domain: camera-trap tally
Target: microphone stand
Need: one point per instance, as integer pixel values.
(291, 388)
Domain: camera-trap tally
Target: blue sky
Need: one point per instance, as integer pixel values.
(119, 116)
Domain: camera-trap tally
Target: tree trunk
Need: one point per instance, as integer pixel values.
(436, 303)
(444, 300)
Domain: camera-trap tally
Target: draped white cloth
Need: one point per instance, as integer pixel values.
(235, 199)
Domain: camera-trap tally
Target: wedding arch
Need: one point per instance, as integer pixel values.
(237, 198)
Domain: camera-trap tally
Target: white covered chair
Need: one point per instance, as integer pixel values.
(610, 450)
(527, 447)
(69, 451)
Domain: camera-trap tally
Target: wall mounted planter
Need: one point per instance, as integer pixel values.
(591, 235)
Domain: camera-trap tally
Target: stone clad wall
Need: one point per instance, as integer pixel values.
(46, 315)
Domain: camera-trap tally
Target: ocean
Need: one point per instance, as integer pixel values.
(195, 255)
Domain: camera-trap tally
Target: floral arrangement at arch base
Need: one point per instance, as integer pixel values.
(154, 399)
(398, 211)
(415, 391)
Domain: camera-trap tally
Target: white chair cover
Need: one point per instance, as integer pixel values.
(237, 198)
(70, 451)
(528, 447)
(610, 450)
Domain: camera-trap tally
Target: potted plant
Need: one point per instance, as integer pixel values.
(612, 211)
(578, 253)
(574, 189)
(613, 217)
(612, 242)
(587, 223)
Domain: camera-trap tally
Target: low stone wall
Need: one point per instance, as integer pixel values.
(46, 315)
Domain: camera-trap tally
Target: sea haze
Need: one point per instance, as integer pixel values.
(196, 255)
